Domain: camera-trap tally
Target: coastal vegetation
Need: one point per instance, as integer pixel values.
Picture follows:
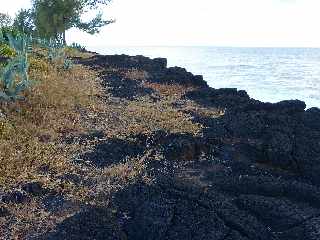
(50, 107)
(5, 20)
(54, 18)
(63, 115)
(42, 95)
(116, 147)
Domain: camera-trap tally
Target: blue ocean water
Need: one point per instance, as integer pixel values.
(267, 74)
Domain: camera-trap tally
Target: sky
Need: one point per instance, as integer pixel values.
(235, 23)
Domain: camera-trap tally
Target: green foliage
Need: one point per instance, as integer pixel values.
(5, 32)
(14, 77)
(6, 51)
(54, 17)
(5, 20)
(24, 22)
(68, 64)
(39, 65)
(77, 46)
(56, 51)
(21, 43)
(94, 25)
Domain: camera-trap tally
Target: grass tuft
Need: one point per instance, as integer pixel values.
(31, 134)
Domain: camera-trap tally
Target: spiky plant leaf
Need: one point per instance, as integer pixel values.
(4, 96)
(2, 40)
(16, 69)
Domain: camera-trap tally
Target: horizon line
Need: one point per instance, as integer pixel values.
(215, 46)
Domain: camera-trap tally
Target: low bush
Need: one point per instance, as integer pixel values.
(31, 133)
(78, 47)
(6, 51)
(14, 78)
(38, 64)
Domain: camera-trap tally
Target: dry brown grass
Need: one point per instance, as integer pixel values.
(174, 92)
(135, 74)
(208, 112)
(147, 117)
(124, 118)
(71, 52)
(31, 131)
(67, 103)
(31, 135)
(169, 90)
(31, 220)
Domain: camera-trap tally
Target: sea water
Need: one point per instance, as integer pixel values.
(267, 74)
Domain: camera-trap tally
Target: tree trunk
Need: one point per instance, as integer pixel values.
(64, 37)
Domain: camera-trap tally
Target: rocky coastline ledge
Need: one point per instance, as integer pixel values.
(251, 172)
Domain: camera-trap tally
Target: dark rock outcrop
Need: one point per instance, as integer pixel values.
(112, 151)
(14, 196)
(284, 134)
(34, 188)
(253, 174)
(93, 223)
(217, 197)
(177, 75)
(125, 88)
(156, 70)
(128, 62)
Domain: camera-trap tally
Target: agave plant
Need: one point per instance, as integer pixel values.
(2, 40)
(15, 70)
(77, 46)
(14, 77)
(68, 64)
(56, 51)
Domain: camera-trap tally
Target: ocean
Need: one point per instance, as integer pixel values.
(267, 74)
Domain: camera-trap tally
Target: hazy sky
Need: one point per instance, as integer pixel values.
(287, 23)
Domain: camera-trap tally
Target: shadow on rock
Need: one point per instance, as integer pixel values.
(223, 195)
(112, 151)
(284, 133)
(174, 210)
(125, 88)
(91, 223)
(202, 189)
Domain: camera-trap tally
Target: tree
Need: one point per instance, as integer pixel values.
(5, 20)
(24, 21)
(54, 17)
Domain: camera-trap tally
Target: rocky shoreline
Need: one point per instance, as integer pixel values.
(252, 172)
(283, 135)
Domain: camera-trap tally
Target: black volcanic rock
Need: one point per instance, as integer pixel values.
(112, 151)
(223, 197)
(128, 62)
(156, 69)
(92, 223)
(284, 133)
(15, 196)
(252, 174)
(177, 75)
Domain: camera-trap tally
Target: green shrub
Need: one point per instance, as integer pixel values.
(38, 64)
(77, 46)
(14, 78)
(68, 64)
(5, 32)
(57, 52)
(6, 51)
